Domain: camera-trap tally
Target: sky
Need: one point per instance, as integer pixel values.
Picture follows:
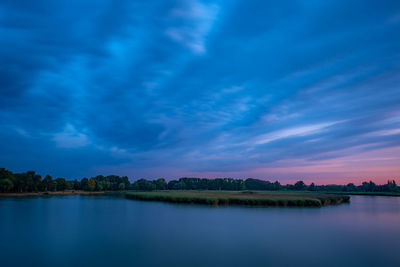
(275, 90)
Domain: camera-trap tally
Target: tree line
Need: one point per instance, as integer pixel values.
(32, 182)
(256, 184)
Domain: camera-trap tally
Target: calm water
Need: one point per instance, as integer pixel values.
(113, 231)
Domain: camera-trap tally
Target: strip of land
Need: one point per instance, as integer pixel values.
(55, 193)
(382, 194)
(250, 198)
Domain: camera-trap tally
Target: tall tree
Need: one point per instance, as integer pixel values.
(61, 184)
(85, 184)
(299, 185)
(122, 186)
(77, 185)
(161, 184)
(92, 184)
(7, 180)
(47, 183)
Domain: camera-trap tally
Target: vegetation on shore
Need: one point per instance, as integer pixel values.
(30, 182)
(251, 198)
(229, 184)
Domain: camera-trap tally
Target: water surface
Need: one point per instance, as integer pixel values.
(113, 231)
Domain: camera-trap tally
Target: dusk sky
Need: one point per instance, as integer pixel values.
(283, 90)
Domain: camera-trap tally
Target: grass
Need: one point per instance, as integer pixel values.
(250, 198)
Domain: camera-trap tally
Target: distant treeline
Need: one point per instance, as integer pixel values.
(32, 182)
(255, 184)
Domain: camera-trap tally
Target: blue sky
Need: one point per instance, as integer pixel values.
(265, 89)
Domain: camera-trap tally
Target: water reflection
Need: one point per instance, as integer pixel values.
(109, 230)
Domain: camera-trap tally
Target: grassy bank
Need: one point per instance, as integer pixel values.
(251, 198)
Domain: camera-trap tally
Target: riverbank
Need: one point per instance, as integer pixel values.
(250, 198)
(56, 193)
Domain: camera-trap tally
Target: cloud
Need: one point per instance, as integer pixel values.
(198, 87)
(70, 138)
(293, 132)
(198, 19)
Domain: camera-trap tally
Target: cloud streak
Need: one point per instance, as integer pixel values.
(201, 87)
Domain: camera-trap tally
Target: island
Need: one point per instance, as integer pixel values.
(248, 198)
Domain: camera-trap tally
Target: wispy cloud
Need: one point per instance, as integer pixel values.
(198, 18)
(200, 87)
(70, 138)
(293, 132)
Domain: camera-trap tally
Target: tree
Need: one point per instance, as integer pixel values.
(312, 187)
(277, 186)
(70, 185)
(106, 186)
(100, 186)
(368, 187)
(6, 185)
(92, 184)
(22, 182)
(255, 184)
(171, 184)
(161, 184)
(61, 184)
(126, 181)
(390, 186)
(350, 187)
(372, 186)
(114, 181)
(53, 186)
(47, 184)
(85, 184)
(299, 186)
(144, 185)
(121, 186)
(28, 182)
(37, 179)
(7, 180)
(77, 185)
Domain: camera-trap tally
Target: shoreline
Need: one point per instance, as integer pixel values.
(80, 192)
(372, 194)
(57, 193)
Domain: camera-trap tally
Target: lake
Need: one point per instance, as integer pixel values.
(113, 231)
